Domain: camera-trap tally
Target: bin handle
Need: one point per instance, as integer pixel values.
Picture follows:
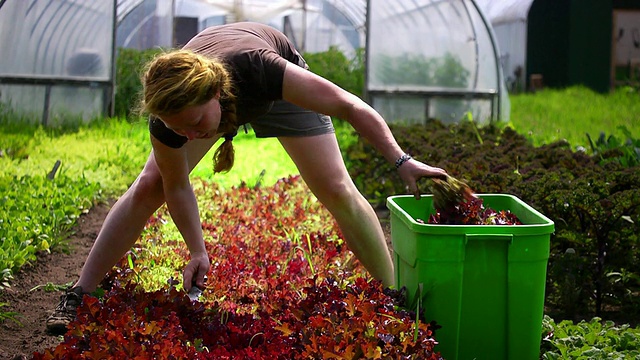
(497, 237)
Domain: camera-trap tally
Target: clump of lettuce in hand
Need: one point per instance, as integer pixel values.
(456, 204)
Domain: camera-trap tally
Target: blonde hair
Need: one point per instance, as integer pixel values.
(175, 80)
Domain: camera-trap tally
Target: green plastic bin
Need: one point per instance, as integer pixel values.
(484, 284)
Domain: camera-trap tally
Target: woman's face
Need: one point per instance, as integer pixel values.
(196, 122)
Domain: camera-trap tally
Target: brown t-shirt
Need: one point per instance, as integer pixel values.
(255, 55)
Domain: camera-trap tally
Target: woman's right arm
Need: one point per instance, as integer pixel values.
(183, 207)
(311, 91)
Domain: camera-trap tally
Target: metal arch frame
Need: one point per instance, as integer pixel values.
(121, 15)
(494, 95)
(349, 9)
(496, 56)
(347, 17)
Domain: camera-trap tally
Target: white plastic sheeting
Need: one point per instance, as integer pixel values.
(505, 11)
(50, 35)
(331, 23)
(254, 10)
(56, 56)
(69, 45)
(509, 21)
(144, 24)
(314, 25)
(433, 59)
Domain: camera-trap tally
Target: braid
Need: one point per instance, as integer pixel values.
(224, 156)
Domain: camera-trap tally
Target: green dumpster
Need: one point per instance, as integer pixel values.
(484, 284)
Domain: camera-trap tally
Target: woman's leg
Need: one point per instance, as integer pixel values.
(320, 163)
(123, 225)
(120, 230)
(126, 219)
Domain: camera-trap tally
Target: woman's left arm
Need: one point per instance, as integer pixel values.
(313, 92)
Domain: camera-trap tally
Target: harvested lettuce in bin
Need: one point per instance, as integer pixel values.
(456, 204)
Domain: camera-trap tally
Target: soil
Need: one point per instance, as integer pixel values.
(20, 341)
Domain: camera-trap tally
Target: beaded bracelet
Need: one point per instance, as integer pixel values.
(402, 159)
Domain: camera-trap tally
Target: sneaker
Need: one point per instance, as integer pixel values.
(65, 312)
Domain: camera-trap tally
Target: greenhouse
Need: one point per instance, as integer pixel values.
(424, 58)
(433, 59)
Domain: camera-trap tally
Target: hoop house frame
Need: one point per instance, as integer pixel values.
(424, 58)
(61, 54)
(432, 59)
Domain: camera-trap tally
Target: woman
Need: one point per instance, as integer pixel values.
(225, 77)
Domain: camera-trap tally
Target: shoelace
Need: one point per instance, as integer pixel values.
(65, 299)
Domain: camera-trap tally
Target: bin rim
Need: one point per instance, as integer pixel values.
(546, 225)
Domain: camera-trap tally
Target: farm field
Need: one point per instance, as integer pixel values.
(106, 159)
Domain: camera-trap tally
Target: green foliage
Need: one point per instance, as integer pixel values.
(39, 206)
(553, 115)
(597, 214)
(266, 166)
(15, 147)
(128, 66)
(611, 148)
(8, 315)
(262, 161)
(36, 214)
(407, 69)
(335, 66)
(51, 287)
(110, 151)
(16, 140)
(592, 340)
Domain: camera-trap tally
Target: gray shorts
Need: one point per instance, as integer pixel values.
(287, 119)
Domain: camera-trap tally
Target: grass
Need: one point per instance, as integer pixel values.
(109, 152)
(551, 115)
(263, 160)
(256, 160)
(113, 152)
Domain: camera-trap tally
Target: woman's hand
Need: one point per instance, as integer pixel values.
(195, 271)
(412, 170)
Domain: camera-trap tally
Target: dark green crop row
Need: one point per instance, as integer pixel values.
(594, 200)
